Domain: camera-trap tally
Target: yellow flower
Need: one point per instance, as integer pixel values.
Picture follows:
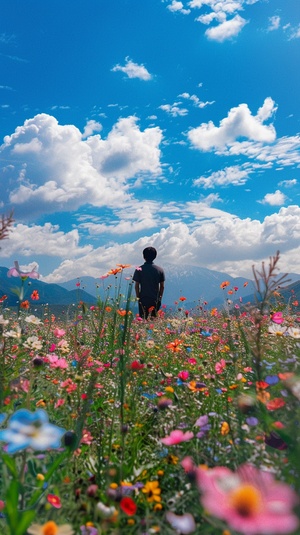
(152, 490)
(50, 528)
(225, 429)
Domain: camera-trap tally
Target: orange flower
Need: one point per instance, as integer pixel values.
(35, 295)
(114, 271)
(25, 305)
(174, 346)
(245, 284)
(214, 311)
(295, 303)
(124, 266)
(225, 429)
(224, 284)
(121, 312)
(182, 298)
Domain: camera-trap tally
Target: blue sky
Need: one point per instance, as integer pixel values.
(127, 123)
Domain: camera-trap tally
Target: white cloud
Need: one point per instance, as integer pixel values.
(238, 123)
(91, 127)
(54, 169)
(284, 151)
(133, 70)
(234, 176)
(178, 7)
(46, 240)
(274, 199)
(225, 243)
(288, 183)
(174, 109)
(274, 23)
(196, 101)
(295, 32)
(227, 29)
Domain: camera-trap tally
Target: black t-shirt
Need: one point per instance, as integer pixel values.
(149, 276)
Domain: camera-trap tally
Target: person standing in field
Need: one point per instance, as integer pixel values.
(149, 284)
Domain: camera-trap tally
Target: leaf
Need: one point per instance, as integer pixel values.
(10, 463)
(24, 522)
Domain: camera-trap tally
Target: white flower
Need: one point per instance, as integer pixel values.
(294, 332)
(33, 342)
(33, 319)
(3, 321)
(13, 334)
(277, 329)
(50, 528)
(184, 524)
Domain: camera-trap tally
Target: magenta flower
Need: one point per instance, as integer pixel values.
(176, 437)
(277, 317)
(251, 501)
(183, 375)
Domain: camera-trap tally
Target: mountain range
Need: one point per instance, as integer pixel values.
(195, 285)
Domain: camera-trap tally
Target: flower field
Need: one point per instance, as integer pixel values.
(185, 424)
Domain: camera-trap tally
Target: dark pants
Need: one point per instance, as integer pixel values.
(148, 307)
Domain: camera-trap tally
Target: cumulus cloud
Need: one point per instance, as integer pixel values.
(225, 243)
(133, 70)
(234, 176)
(50, 167)
(239, 123)
(227, 29)
(178, 7)
(91, 127)
(46, 240)
(274, 199)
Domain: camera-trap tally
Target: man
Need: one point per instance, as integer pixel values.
(149, 284)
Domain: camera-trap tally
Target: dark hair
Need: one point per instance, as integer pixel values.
(149, 254)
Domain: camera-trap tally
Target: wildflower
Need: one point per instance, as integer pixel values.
(33, 342)
(25, 305)
(176, 437)
(277, 317)
(33, 320)
(35, 295)
(182, 298)
(59, 333)
(128, 506)
(174, 346)
(31, 430)
(183, 524)
(293, 332)
(16, 272)
(183, 375)
(88, 529)
(54, 501)
(3, 321)
(220, 366)
(224, 284)
(275, 403)
(225, 429)
(249, 500)
(50, 528)
(202, 422)
(152, 491)
(276, 329)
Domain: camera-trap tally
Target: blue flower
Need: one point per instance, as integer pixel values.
(31, 430)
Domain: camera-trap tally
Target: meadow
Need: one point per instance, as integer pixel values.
(189, 423)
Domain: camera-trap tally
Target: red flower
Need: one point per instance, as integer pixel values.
(25, 305)
(35, 295)
(136, 365)
(128, 506)
(275, 403)
(182, 298)
(54, 500)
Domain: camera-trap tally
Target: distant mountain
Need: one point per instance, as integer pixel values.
(196, 284)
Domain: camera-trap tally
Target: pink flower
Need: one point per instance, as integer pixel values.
(59, 403)
(59, 333)
(183, 375)
(16, 272)
(220, 366)
(57, 362)
(176, 437)
(251, 501)
(277, 317)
